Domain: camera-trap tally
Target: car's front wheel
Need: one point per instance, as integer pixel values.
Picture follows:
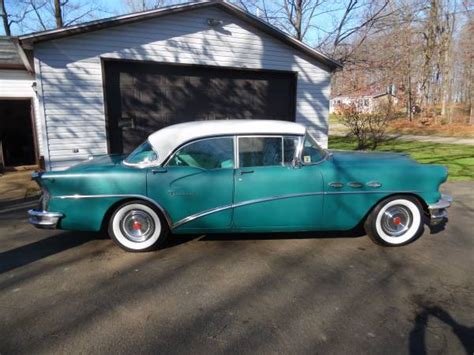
(395, 221)
(135, 226)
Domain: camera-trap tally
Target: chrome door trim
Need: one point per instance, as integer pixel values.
(240, 204)
(199, 215)
(272, 198)
(154, 203)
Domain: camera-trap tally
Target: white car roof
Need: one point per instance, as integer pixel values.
(167, 139)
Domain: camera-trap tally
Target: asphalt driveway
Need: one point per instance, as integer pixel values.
(65, 292)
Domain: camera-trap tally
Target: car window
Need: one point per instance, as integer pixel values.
(312, 152)
(212, 153)
(260, 151)
(142, 155)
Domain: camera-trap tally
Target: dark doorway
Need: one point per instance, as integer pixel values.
(143, 97)
(16, 133)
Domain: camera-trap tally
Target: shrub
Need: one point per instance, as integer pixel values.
(368, 128)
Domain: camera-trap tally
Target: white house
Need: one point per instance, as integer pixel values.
(364, 103)
(104, 86)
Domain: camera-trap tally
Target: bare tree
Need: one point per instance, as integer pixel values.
(142, 5)
(15, 17)
(4, 14)
(34, 15)
(299, 17)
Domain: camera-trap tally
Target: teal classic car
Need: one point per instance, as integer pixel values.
(241, 176)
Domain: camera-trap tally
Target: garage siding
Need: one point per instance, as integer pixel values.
(70, 71)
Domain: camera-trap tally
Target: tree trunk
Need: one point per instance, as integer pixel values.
(58, 16)
(6, 25)
(470, 91)
(299, 20)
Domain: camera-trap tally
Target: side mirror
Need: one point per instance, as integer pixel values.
(296, 163)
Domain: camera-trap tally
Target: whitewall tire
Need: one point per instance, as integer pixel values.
(136, 226)
(395, 221)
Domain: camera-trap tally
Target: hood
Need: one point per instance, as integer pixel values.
(358, 158)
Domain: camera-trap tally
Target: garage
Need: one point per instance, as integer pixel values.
(144, 97)
(104, 86)
(17, 146)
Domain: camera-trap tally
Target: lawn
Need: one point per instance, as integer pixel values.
(458, 158)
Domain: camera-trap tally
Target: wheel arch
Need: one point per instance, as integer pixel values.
(422, 202)
(157, 207)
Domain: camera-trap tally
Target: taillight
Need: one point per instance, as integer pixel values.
(44, 199)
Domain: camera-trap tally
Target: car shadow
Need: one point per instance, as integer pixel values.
(43, 248)
(29, 253)
(355, 233)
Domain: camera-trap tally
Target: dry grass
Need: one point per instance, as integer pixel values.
(428, 127)
(17, 185)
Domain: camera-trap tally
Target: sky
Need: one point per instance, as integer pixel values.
(118, 7)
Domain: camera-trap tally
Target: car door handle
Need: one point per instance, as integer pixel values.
(158, 171)
(242, 172)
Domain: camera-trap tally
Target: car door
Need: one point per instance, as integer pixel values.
(271, 193)
(195, 186)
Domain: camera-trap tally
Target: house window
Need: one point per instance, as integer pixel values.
(366, 102)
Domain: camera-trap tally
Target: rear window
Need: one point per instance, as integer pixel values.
(266, 151)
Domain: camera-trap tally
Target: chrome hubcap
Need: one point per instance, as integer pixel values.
(137, 226)
(396, 220)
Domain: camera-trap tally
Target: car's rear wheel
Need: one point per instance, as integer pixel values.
(136, 226)
(395, 221)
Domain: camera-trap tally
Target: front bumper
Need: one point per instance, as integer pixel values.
(438, 210)
(44, 219)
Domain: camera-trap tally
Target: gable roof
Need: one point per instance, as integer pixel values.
(28, 40)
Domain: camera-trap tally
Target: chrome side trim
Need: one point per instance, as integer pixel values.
(240, 204)
(199, 215)
(225, 207)
(160, 208)
(267, 199)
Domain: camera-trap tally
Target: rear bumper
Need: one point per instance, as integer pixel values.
(44, 219)
(438, 210)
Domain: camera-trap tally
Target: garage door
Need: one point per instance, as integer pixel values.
(142, 97)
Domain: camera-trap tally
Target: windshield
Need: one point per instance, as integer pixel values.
(143, 155)
(312, 152)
